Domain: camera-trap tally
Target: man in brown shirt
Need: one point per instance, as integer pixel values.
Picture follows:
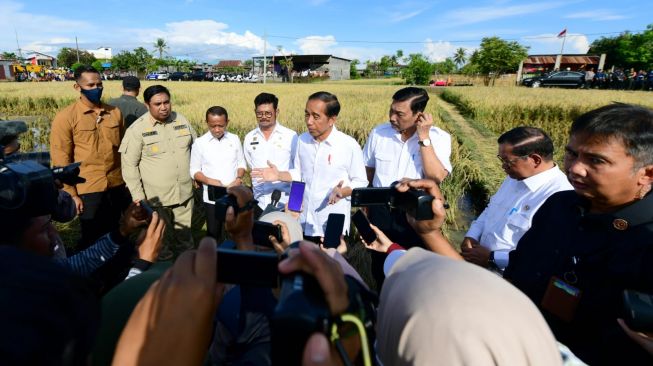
(90, 131)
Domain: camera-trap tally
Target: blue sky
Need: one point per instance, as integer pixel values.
(208, 31)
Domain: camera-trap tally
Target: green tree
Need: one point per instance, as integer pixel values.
(385, 63)
(160, 46)
(353, 70)
(9, 56)
(68, 56)
(142, 61)
(627, 49)
(445, 67)
(496, 56)
(122, 61)
(460, 57)
(418, 71)
(97, 65)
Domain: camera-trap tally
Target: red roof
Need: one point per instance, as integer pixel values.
(229, 63)
(566, 59)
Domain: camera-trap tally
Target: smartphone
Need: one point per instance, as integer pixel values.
(334, 226)
(215, 192)
(261, 233)
(240, 267)
(363, 226)
(148, 209)
(296, 196)
(371, 196)
(638, 311)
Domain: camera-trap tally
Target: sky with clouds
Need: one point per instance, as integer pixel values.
(211, 30)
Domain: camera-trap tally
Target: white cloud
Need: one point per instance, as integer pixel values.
(481, 14)
(548, 43)
(401, 16)
(438, 51)
(597, 15)
(316, 44)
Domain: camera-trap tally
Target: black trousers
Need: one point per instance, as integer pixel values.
(213, 227)
(101, 213)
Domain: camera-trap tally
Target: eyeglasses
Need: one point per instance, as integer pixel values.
(510, 162)
(266, 114)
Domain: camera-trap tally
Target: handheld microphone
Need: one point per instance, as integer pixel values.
(272, 206)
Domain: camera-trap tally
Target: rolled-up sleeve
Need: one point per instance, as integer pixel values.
(130, 156)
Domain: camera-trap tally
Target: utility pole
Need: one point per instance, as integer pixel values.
(20, 52)
(265, 57)
(77, 45)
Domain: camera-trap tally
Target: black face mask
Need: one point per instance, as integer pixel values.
(93, 95)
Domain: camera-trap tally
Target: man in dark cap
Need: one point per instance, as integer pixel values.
(130, 107)
(9, 132)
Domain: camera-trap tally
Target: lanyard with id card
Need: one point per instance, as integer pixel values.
(562, 297)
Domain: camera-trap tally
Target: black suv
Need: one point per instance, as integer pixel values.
(198, 75)
(179, 76)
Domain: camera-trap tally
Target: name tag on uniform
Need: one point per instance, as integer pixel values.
(254, 143)
(181, 127)
(151, 133)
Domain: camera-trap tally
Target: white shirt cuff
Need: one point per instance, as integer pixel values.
(501, 258)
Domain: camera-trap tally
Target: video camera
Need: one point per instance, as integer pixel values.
(301, 309)
(414, 202)
(26, 190)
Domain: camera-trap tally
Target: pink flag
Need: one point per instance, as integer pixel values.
(563, 33)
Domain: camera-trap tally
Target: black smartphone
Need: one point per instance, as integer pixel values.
(146, 206)
(296, 196)
(638, 313)
(363, 226)
(216, 192)
(334, 226)
(240, 267)
(370, 196)
(261, 233)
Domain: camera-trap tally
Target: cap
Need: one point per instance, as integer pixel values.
(131, 82)
(12, 128)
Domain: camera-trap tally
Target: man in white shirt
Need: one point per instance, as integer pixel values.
(216, 159)
(328, 161)
(526, 155)
(407, 146)
(269, 142)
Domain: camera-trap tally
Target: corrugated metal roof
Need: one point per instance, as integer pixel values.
(566, 59)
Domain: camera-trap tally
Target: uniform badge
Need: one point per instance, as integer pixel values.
(620, 224)
(255, 137)
(155, 148)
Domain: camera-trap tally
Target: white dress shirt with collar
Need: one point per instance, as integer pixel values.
(510, 212)
(217, 159)
(322, 165)
(393, 159)
(280, 150)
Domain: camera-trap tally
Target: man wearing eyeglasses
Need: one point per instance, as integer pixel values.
(90, 131)
(269, 144)
(526, 155)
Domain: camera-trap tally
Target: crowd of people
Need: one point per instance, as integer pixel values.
(538, 280)
(619, 79)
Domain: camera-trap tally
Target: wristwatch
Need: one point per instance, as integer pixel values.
(491, 263)
(425, 142)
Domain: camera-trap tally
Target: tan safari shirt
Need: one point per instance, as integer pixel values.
(156, 159)
(81, 134)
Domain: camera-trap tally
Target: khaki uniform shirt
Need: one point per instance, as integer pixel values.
(156, 159)
(130, 107)
(80, 134)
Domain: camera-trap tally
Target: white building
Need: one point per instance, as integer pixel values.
(102, 53)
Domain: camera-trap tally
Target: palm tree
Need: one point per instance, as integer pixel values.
(160, 45)
(460, 56)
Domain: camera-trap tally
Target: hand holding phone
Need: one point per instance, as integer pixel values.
(147, 208)
(296, 196)
(261, 232)
(363, 226)
(334, 226)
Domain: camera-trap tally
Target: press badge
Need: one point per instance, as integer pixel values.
(561, 299)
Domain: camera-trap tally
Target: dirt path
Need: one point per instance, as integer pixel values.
(482, 145)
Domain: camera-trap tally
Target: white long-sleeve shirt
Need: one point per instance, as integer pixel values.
(322, 165)
(217, 159)
(280, 149)
(509, 213)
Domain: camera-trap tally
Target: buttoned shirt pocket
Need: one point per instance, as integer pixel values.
(383, 162)
(85, 132)
(183, 137)
(111, 130)
(516, 226)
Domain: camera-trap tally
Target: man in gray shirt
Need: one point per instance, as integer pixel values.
(130, 107)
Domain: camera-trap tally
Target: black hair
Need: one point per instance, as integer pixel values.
(332, 104)
(631, 124)
(82, 69)
(8, 139)
(266, 98)
(154, 90)
(419, 98)
(216, 110)
(528, 140)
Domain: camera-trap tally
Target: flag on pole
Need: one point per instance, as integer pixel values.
(563, 33)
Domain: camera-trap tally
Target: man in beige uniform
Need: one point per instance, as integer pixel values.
(156, 160)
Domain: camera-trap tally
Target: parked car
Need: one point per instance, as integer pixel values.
(201, 76)
(161, 75)
(571, 79)
(179, 76)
